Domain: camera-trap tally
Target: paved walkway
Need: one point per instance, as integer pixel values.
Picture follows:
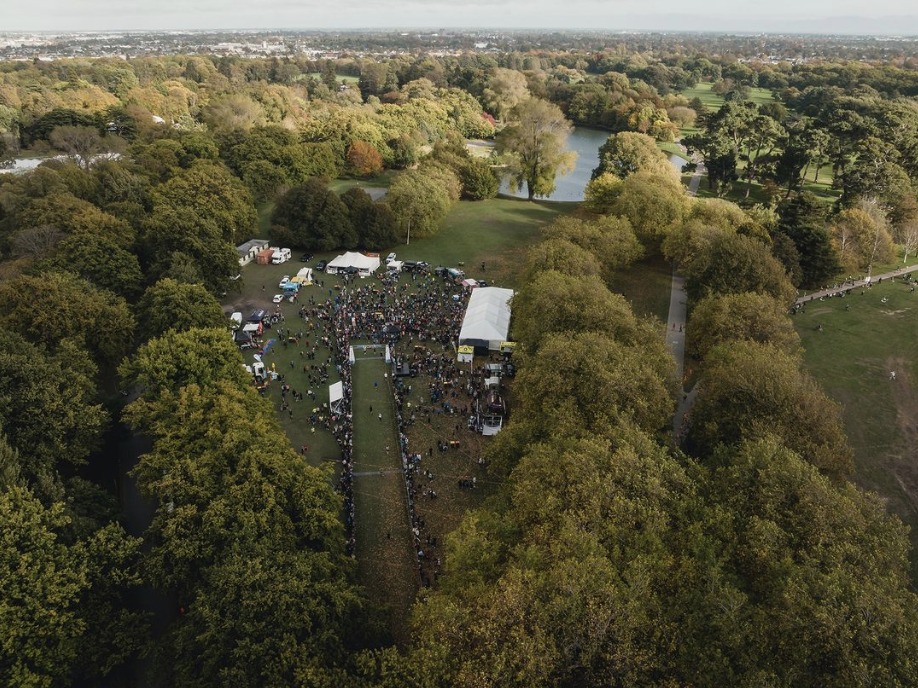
(854, 284)
(676, 327)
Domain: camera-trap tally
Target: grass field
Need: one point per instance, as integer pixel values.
(385, 560)
(346, 78)
(862, 340)
(497, 232)
(713, 101)
(646, 284)
(382, 180)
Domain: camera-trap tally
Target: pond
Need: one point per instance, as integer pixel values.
(569, 187)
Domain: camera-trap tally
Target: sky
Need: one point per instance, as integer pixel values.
(803, 16)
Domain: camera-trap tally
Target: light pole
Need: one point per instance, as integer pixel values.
(408, 238)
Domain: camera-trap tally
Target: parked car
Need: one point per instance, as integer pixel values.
(422, 266)
(284, 280)
(306, 257)
(320, 266)
(278, 298)
(390, 257)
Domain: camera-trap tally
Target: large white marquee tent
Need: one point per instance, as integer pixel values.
(487, 318)
(364, 264)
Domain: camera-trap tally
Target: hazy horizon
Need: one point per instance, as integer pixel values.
(890, 17)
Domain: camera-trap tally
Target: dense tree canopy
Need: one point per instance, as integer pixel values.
(750, 390)
(315, 218)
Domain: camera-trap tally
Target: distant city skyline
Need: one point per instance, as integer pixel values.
(784, 16)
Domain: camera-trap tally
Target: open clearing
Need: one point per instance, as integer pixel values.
(862, 341)
(496, 232)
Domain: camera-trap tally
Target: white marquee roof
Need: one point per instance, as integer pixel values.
(356, 260)
(487, 317)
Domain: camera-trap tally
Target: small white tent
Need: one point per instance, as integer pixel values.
(336, 397)
(487, 318)
(365, 265)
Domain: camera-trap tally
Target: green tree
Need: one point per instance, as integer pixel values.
(733, 264)
(723, 319)
(653, 204)
(374, 222)
(478, 179)
(47, 408)
(195, 356)
(802, 218)
(621, 384)
(750, 390)
(316, 217)
(610, 239)
(535, 141)
(601, 193)
(72, 309)
(812, 569)
(562, 256)
(505, 90)
(171, 305)
(557, 303)
(628, 152)
(100, 260)
(201, 212)
(419, 203)
(242, 517)
(43, 581)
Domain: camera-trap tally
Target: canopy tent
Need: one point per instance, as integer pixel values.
(487, 318)
(336, 397)
(303, 277)
(365, 264)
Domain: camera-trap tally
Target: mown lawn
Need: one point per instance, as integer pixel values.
(712, 101)
(385, 558)
(496, 232)
(646, 285)
(862, 339)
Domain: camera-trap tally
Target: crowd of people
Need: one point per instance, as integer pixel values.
(419, 320)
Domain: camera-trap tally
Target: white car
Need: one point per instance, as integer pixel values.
(390, 258)
(284, 280)
(278, 298)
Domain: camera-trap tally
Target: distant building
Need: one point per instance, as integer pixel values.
(250, 249)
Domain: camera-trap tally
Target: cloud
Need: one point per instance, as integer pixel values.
(670, 15)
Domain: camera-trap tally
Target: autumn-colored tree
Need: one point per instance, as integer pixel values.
(363, 160)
